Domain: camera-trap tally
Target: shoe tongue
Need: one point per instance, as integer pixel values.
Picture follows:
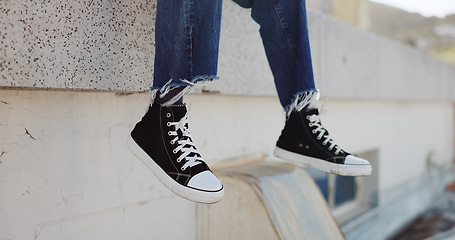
(179, 111)
(314, 111)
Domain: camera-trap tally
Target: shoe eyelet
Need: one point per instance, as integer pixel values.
(169, 133)
(311, 125)
(183, 169)
(172, 142)
(330, 149)
(308, 117)
(314, 131)
(173, 151)
(318, 138)
(179, 160)
(168, 124)
(168, 115)
(324, 143)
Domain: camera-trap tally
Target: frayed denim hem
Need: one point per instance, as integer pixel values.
(301, 100)
(186, 86)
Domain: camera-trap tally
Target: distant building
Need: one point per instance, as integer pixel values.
(355, 12)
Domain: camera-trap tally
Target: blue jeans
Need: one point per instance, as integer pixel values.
(187, 39)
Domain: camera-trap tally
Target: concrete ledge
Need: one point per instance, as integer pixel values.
(400, 205)
(78, 45)
(110, 46)
(268, 201)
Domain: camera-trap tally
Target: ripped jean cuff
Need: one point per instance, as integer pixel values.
(185, 85)
(304, 100)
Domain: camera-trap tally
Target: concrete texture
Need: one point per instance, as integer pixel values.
(400, 204)
(66, 173)
(65, 170)
(109, 45)
(293, 205)
(90, 45)
(243, 66)
(404, 133)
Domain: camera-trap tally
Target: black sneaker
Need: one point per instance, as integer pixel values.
(304, 141)
(161, 140)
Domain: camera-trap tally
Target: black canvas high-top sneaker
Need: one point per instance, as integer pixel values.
(304, 141)
(161, 140)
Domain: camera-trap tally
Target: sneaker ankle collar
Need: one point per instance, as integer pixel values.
(304, 101)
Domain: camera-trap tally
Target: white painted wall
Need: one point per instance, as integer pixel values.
(72, 174)
(405, 133)
(72, 177)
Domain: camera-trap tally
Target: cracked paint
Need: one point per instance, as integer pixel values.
(27, 132)
(30, 135)
(1, 155)
(38, 232)
(27, 192)
(63, 155)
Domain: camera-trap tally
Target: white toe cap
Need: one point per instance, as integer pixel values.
(205, 181)
(353, 160)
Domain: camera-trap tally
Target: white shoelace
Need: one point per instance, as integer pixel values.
(190, 148)
(315, 121)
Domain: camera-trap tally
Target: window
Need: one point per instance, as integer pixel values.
(348, 197)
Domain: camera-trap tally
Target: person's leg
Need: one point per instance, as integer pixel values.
(187, 39)
(284, 32)
(187, 36)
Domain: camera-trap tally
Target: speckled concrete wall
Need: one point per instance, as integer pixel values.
(109, 45)
(83, 44)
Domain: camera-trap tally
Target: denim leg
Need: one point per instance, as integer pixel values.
(284, 32)
(245, 3)
(187, 34)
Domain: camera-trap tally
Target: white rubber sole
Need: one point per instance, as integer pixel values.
(182, 191)
(339, 169)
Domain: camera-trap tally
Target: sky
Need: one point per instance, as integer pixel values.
(428, 8)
